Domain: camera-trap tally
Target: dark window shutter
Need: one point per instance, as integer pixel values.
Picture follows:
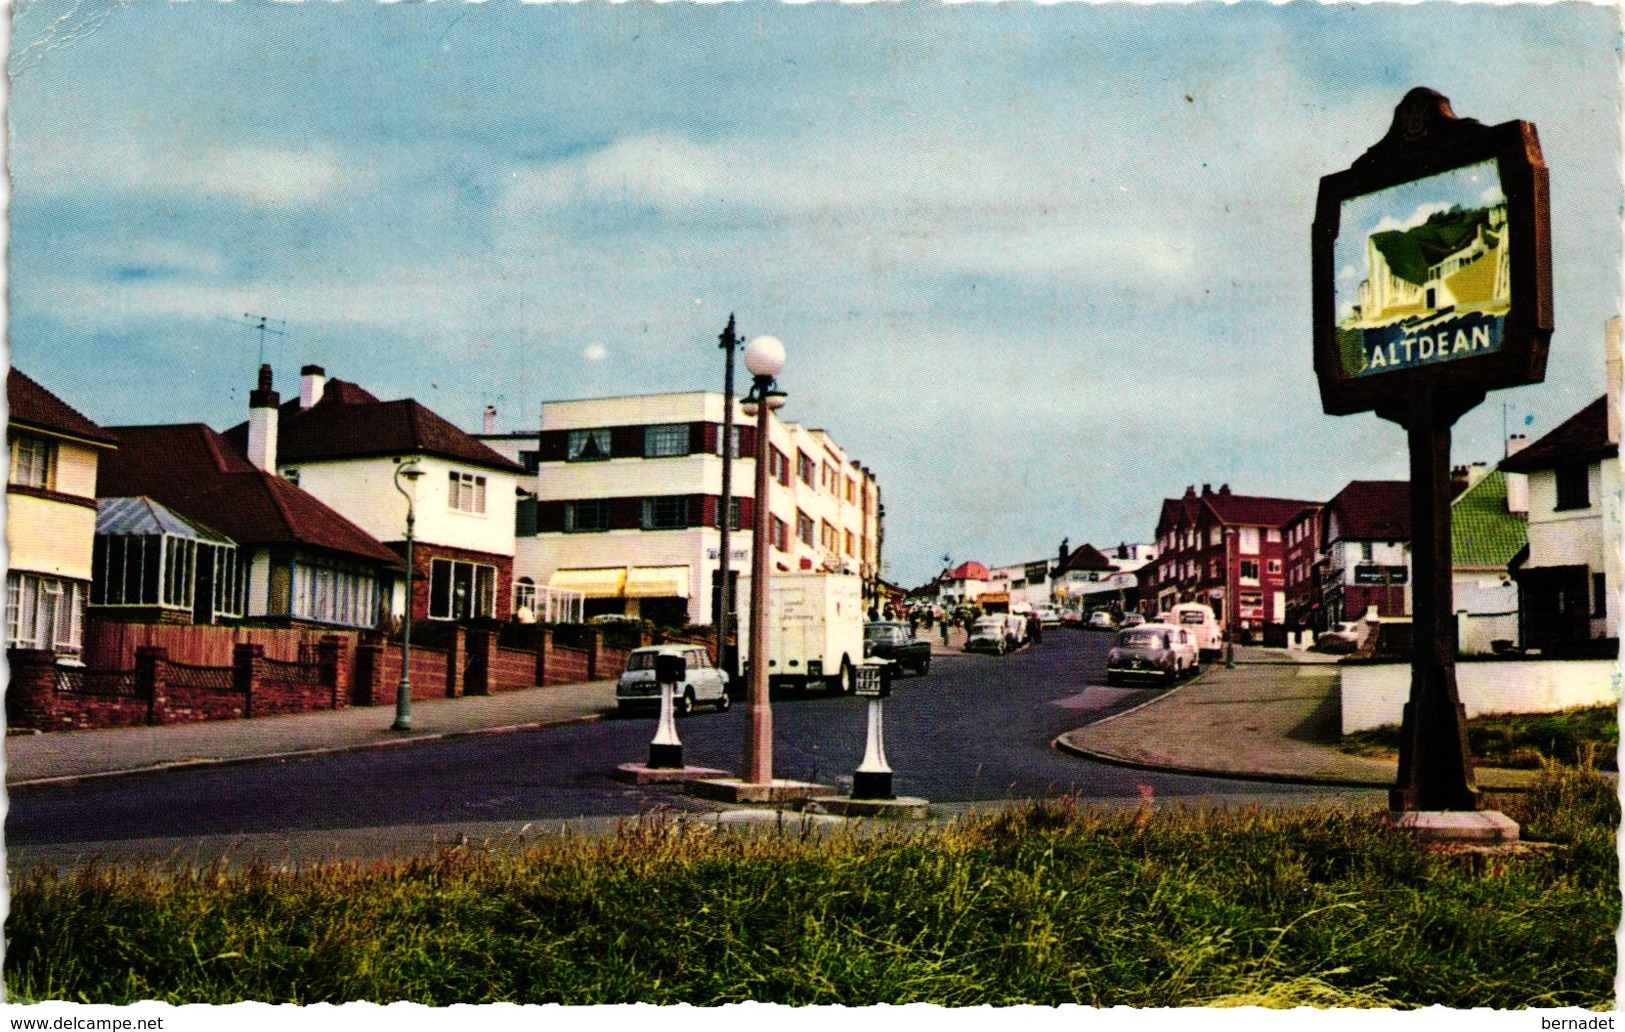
(552, 445)
(626, 442)
(625, 513)
(747, 442)
(549, 517)
(702, 438)
(708, 510)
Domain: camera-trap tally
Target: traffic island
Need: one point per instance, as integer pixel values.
(644, 774)
(737, 790)
(1477, 826)
(906, 808)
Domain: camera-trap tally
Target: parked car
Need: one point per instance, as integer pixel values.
(1049, 616)
(1015, 627)
(896, 642)
(1203, 625)
(989, 634)
(1338, 638)
(1102, 620)
(1161, 652)
(1133, 620)
(704, 683)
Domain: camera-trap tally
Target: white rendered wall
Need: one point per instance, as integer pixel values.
(1374, 694)
(363, 492)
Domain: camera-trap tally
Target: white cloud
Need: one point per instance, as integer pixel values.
(1411, 221)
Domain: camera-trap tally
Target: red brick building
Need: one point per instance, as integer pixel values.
(1303, 536)
(1368, 550)
(1227, 551)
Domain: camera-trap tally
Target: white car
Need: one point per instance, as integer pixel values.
(1101, 620)
(1049, 616)
(704, 682)
(1200, 621)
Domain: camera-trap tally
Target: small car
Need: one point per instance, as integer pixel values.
(1133, 620)
(1101, 620)
(704, 683)
(1338, 638)
(989, 634)
(1049, 616)
(1203, 625)
(1161, 652)
(896, 642)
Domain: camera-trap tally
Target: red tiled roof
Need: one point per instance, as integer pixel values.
(1583, 437)
(1253, 511)
(35, 407)
(1373, 510)
(195, 471)
(349, 423)
(1085, 557)
(969, 571)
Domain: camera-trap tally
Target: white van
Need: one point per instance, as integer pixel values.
(1203, 625)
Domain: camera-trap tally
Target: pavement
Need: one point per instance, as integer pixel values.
(1273, 717)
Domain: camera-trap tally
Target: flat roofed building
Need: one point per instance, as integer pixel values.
(626, 500)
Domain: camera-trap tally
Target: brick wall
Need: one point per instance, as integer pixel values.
(511, 669)
(566, 665)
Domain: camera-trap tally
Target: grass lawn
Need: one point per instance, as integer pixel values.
(1522, 741)
(1043, 903)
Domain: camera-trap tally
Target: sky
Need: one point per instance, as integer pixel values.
(1038, 267)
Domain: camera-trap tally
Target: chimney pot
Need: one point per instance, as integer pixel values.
(1207, 489)
(1224, 489)
(262, 423)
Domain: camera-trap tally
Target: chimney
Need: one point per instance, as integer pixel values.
(1190, 490)
(1614, 376)
(490, 419)
(312, 380)
(1207, 489)
(1224, 489)
(1476, 472)
(262, 403)
(1458, 480)
(1517, 483)
(1064, 550)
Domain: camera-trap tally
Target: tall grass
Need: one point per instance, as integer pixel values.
(1038, 903)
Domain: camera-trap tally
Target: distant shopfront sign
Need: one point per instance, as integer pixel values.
(1380, 575)
(1432, 262)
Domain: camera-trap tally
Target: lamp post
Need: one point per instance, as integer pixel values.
(410, 471)
(729, 344)
(764, 357)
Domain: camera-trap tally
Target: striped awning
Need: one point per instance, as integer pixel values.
(603, 582)
(657, 582)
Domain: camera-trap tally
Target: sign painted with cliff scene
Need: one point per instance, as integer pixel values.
(1432, 262)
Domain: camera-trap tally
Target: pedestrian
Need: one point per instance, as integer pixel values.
(913, 623)
(1035, 629)
(943, 623)
(874, 613)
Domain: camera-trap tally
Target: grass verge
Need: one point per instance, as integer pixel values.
(1042, 903)
(1523, 741)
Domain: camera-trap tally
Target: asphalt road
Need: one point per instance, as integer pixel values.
(976, 728)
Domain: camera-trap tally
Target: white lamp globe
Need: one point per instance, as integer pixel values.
(764, 356)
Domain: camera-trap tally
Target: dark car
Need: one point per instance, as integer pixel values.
(896, 642)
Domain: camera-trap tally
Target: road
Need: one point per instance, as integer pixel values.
(976, 728)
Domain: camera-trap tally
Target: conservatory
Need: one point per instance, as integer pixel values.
(150, 559)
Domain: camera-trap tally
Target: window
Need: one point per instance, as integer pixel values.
(524, 594)
(779, 532)
(1213, 569)
(1365, 551)
(1249, 541)
(851, 544)
(851, 491)
(804, 468)
(33, 461)
(592, 514)
(43, 612)
(733, 514)
(587, 446)
(736, 438)
(779, 466)
(826, 535)
(467, 493)
(333, 591)
(1274, 566)
(669, 512)
(531, 460)
(461, 590)
(291, 476)
(666, 441)
(1215, 536)
(1573, 487)
(1273, 536)
(804, 528)
(1599, 596)
(1249, 571)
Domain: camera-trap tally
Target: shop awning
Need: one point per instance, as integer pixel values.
(606, 582)
(657, 582)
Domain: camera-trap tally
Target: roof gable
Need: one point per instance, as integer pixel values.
(1583, 437)
(1084, 557)
(32, 406)
(1372, 510)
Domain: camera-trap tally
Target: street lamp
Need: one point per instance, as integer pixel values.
(764, 357)
(410, 471)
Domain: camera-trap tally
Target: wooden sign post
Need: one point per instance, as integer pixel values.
(1432, 285)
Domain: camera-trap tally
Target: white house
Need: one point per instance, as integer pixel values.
(1569, 581)
(342, 445)
(627, 502)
